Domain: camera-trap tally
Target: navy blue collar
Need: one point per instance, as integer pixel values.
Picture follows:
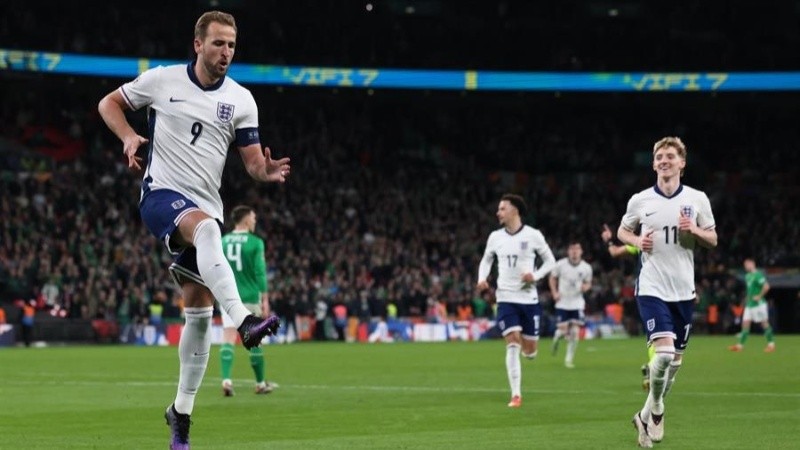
(193, 77)
(661, 193)
(521, 226)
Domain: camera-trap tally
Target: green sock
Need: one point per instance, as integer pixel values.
(770, 336)
(257, 361)
(226, 359)
(651, 351)
(743, 337)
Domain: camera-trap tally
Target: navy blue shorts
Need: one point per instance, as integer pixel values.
(162, 211)
(570, 315)
(519, 317)
(666, 319)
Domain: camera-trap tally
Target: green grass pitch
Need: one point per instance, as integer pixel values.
(401, 396)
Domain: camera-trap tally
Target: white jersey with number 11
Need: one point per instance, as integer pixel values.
(668, 271)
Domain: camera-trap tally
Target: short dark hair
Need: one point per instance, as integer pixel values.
(517, 201)
(240, 212)
(201, 27)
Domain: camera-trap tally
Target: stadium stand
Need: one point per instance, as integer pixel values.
(393, 192)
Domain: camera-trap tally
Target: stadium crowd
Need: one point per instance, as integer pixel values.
(393, 193)
(389, 204)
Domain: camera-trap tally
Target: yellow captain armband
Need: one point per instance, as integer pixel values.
(632, 249)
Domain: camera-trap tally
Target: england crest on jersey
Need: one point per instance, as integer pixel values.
(687, 211)
(224, 112)
(523, 245)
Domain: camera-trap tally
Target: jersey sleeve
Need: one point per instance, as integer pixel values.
(705, 218)
(246, 123)
(631, 218)
(556, 270)
(590, 273)
(487, 260)
(141, 91)
(260, 267)
(760, 280)
(545, 254)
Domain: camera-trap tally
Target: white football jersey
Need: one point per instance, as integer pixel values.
(570, 279)
(668, 271)
(190, 130)
(516, 254)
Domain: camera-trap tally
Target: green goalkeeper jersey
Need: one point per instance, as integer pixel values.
(755, 283)
(245, 253)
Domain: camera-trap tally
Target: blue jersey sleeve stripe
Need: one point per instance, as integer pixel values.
(246, 136)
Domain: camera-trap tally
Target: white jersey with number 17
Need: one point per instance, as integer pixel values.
(516, 254)
(668, 271)
(191, 128)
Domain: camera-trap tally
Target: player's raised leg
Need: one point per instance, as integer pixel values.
(204, 233)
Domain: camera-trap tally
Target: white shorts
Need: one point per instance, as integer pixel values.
(227, 322)
(756, 313)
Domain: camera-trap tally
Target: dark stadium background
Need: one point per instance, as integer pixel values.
(419, 170)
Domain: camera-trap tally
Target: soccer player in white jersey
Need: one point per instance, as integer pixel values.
(569, 280)
(195, 114)
(515, 246)
(674, 218)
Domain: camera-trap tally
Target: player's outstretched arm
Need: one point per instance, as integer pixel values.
(112, 109)
(262, 167)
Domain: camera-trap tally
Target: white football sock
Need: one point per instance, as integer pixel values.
(193, 350)
(674, 366)
(572, 343)
(659, 367)
(215, 270)
(513, 368)
(558, 334)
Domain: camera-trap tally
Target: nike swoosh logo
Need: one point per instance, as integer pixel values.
(173, 100)
(649, 214)
(201, 354)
